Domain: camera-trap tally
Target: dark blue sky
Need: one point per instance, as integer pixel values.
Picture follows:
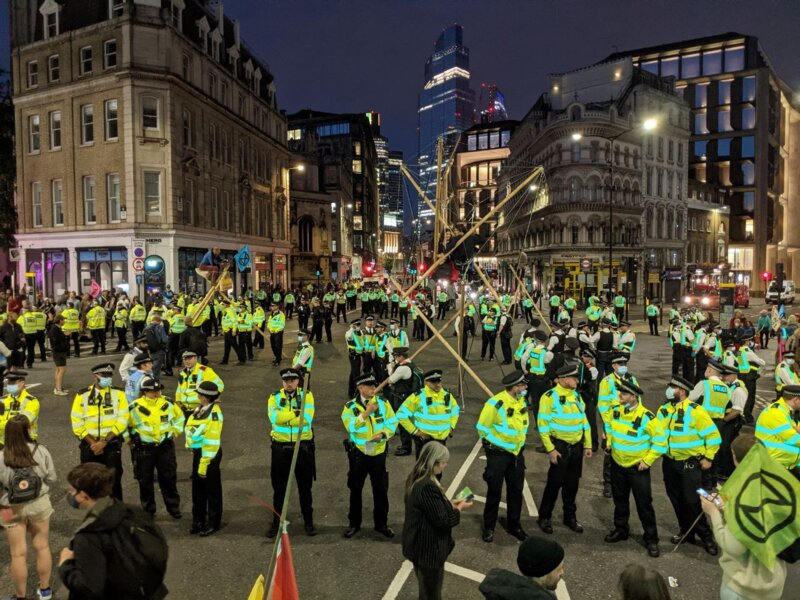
(359, 55)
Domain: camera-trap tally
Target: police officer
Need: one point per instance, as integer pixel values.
(259, 318)
(370, 422)
(502, 427)
(565, 434)
(303, 359)
(96, 324)
(230, 318)
(652, 311)
(99, 420)
(291, 415)
(607, 401)
(535, 363)
(604, 341)
(506, 323)
(190, 377)
(144, 368)
(634, 441)
(121, 327)
(406, 379)
(749, 364)
(626, 341)
(18, 401)
(431, 413)
(786, 373)
(203, 437)
(275, 325)
(369, 336)
(715, 395)
(489, 337)
(692, 443)
(153, 423)
(354, 339)
(587, 387)
(778, 428)
(177, 325)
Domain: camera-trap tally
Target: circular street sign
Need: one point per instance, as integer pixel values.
(586, 264)
(138, 264)
(138, 252)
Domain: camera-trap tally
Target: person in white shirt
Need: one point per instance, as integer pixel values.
(127, 367)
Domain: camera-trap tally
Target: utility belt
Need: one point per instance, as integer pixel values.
(693, 462)
(305, 445)
(139, 445)
(114, 444)
(353, 453)
(567, 444)
(491, 448)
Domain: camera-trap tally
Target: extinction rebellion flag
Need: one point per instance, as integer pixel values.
(762, 505)
(242, 258)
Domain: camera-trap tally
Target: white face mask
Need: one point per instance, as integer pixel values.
(789, 361)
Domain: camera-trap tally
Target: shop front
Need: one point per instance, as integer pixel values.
(188, 279)
(51, 270)
(107, 266)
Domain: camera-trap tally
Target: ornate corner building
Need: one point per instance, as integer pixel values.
(613, 140)
(144, 125)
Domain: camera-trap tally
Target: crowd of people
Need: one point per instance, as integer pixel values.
(567, 372)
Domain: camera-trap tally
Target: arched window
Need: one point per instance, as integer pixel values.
(306, 234)
(573, 190)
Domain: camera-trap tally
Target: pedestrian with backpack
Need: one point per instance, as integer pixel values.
(118, 551)
(26, 474)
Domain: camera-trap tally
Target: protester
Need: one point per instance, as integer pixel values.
(541, 562)
(26, 476)
(640, 583)
(743, 576)
(59, 344)
(430, 518)
(93, 566)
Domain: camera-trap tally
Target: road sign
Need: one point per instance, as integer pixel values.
(139, 279)
(586, 264)
(15, 254)
(138, 248)
(138, 265)
(653, 277)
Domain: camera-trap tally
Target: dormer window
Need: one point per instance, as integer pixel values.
(176, 14)
(233, 58)
(202, 31)
(216, 40)
(257, 82)
(50, 11)
(115, 8)
(248, 72)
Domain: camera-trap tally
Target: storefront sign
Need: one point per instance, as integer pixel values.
(58, 257)
(153, 240)
(280, 262)
(586, 264)
(653, 278)
(103, 255)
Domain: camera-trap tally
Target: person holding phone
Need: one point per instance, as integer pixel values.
(430, 518)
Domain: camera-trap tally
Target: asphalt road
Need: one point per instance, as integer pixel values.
(369, 566)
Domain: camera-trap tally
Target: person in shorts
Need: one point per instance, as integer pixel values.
(59, 345)
(31, 516)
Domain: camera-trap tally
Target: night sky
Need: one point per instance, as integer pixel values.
(359, 55)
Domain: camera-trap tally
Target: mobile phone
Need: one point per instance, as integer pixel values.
(466, 494)
(715, 499)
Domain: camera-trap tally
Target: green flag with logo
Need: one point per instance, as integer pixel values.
(762, 505)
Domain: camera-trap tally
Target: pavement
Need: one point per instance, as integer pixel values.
(369, 566)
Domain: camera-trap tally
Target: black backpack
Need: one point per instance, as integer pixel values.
(140, 552)
(25, 485)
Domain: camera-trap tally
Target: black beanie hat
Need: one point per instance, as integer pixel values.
(539, 556)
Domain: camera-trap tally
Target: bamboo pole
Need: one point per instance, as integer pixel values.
(538, 312)
(210, 294)
(475, 226)
(448, 347)
(436, 219)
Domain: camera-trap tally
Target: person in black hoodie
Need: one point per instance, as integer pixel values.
(92, 568)
(541, 562)
(430, 518)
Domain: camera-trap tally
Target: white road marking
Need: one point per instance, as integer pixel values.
(462, 472)
(29, 386)
(399, 580)
(464, 572)
(561, 591)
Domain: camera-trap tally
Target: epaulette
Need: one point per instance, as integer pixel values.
(498, 404)
(214, 416)
(649, 414)
(663, 411)
(693, 405)
(119, 389)
(84, 390)
(202, 368)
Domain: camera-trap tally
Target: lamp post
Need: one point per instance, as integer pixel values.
(647, 125)
(298, 167)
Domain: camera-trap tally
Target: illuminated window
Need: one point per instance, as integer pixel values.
(748, 229)
(748, 201)
(734, 58)
(748, 173)
(748, 118)
(357, 148)
(724, 91)
(700, 123)
(294, 134)
(483, 141)
(472, 143)
(741, 258)
(748, 147)
(712, 62)
(494, 139)
(749, 88)
(690, 66)
(669, 67)
(701, 95)
(357, 166)
(724, 121)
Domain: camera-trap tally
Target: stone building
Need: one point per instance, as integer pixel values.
(708, 227)
(607, 131)
(144, 125)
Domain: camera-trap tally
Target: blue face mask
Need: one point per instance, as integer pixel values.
(522, 394)
(670, 393)
(105, 382)
(12, 388)
(622, 370)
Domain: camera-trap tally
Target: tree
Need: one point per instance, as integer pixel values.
(8, 165)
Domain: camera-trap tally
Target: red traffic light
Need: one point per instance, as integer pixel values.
(766, 276)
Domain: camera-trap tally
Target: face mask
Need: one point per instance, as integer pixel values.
(12, 388)
(299, 339)
(789, 361)
(670, 393)
(72, 501)
(522, 394)
(623, 370)
(105, 382)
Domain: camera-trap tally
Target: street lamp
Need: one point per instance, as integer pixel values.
(648, 124)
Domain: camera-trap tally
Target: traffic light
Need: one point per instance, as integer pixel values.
(766, 276)
(412, 266)
(779, 275)
(318, 270)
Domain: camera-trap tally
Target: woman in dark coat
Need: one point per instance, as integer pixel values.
(430, 518)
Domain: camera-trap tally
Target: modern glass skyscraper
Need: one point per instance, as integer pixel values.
(446, 102)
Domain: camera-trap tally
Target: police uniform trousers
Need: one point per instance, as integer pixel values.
(258, 338)
(405, 437)
(206, 491)
(355, 371)
(528, 314)
(687, 363)
(289, 308)
(503, 466)
(231, 341)
(589, 395)
(603, 363)
(122, 340)
(276, 344)
(341, 309)
(328, 325)
(76, 342)
(173, 357)
(749, 381)
(564, 476)
(488, 341)
(701, 362)
(246, 343)
(394, 309)
(537, 385)
(403, 317)
(505, 346)
(627, 480)
(362, 466)
(653, 323)
(442, 311)
(722, 465)
(304, 475)
(620, 312)
(677, 357)
(216, 323)
(157, 458)
(98, 340)
(316, 331)
(111, 457)
(302, 321)
(40, 339)
(553, 313)
(419, 444)
(136, 328)
(682, 478)
(384, 310)
(30, 349)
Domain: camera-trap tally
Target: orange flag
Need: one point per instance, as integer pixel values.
(284, 584)
(96, 289)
